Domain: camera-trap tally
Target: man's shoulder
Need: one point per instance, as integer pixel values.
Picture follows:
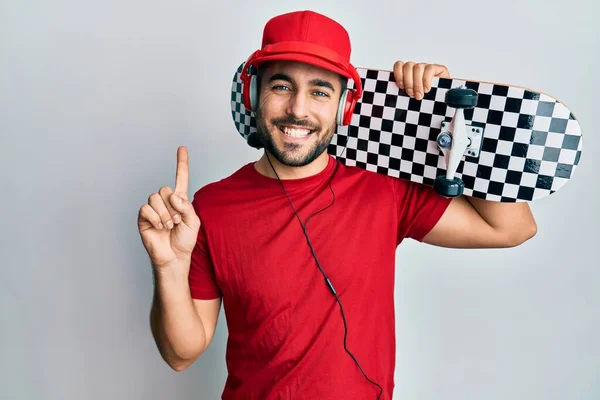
(223, 187)
(399, 186)
(370, 176)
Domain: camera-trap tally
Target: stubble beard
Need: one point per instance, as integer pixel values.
(289, 154)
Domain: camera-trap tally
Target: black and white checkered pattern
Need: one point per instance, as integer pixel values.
(244, 120)
(531, 142)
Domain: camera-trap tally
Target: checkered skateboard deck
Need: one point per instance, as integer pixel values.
(530, 146)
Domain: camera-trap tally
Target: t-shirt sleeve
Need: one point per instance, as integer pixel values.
(202, 280)
(420, 207)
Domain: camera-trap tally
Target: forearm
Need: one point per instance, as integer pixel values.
(514, 221)
(176, 326)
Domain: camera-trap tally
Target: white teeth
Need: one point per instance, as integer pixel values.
(297, 133)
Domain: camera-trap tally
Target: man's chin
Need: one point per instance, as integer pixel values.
(298, 157)
(290, 159)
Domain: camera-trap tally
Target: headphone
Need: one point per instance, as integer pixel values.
(348, 99)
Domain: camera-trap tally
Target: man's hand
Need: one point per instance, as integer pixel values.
(415, 78)
(168, 223)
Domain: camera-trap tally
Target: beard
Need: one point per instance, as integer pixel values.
(290, 154)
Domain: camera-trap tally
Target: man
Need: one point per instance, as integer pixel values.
(298, 247)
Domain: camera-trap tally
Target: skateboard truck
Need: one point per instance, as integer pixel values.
(457, 139)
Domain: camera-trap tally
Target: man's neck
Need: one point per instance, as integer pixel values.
(286, 172)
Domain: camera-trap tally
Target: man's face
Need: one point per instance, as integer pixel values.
(297, 109)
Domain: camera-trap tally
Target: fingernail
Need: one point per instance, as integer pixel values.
(169, 224)
(160, 225)
(409, 92)
(177, 218)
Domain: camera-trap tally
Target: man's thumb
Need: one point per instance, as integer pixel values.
(181, 205)
(187, 211)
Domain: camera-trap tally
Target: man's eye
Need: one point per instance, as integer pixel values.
(282, 87)
(322, 93)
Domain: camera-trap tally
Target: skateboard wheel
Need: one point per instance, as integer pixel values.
(448, 187)
(461, 98)
(444, 140)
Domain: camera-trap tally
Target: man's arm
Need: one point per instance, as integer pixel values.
(182, 327)
(470, 222)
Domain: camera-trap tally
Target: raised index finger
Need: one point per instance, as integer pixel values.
(182, 174)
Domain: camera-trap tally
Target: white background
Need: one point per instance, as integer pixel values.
(95, 97)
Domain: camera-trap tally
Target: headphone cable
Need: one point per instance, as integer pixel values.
(317, 260)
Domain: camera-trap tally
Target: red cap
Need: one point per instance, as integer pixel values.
(309, 37)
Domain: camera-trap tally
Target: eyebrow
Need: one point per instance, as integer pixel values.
(314, 82)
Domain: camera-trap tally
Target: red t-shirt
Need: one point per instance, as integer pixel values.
(286, 332)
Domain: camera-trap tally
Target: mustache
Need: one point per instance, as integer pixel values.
(289, 120)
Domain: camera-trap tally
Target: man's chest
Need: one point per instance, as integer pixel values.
(269, 260)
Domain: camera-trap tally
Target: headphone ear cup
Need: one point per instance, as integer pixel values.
(253, 92)
(346, 107)
(342, 107)
(249, 91)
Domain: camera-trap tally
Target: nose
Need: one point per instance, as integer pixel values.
(298, 105)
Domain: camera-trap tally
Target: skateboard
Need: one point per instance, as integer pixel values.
(492, 141)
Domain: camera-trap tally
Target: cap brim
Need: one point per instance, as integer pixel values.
(304, 58)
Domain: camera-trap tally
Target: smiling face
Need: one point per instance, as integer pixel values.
(296, 115)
